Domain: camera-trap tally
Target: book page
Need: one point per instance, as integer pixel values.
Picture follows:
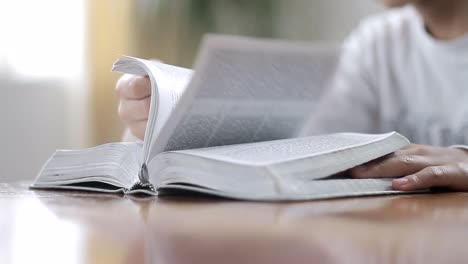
(312, 190)
(247, 90)
(277, 151)
(98, 168)
(167, 85)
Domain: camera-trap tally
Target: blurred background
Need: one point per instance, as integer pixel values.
(56, 88)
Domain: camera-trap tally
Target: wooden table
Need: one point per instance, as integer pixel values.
(77, 227)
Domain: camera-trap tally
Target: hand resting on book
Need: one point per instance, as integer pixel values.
(415, 166)
(135, 99)
(420, 167)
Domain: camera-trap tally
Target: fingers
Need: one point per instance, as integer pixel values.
(133, 87)
(423, 167)
(135, 101)
(394, 165)
(454, 176)
(131, 111)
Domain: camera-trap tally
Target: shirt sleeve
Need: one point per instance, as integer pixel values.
(350, 104)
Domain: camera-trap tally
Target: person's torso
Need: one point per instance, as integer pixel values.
(422, 83)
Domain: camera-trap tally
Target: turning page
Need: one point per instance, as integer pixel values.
(247, 90)
(167, 85)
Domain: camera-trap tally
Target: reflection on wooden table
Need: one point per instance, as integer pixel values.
(74, 227)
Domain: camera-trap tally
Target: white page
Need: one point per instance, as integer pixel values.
(312, 190)
(278, 151)
(247, 90)
(113, 163)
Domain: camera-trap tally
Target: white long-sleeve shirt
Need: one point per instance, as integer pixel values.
(394, 75)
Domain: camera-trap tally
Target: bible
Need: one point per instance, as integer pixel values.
(230, 128)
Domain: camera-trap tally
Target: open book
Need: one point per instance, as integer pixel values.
(230, 128)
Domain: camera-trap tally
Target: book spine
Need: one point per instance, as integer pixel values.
(143, 183)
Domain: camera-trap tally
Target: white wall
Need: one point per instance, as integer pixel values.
(33, 123)
(40, 99)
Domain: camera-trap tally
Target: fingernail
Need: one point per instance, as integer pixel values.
(401, 181)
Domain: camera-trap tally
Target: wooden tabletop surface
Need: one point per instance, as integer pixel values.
(77, 227)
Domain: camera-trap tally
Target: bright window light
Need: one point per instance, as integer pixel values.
(41, 39)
